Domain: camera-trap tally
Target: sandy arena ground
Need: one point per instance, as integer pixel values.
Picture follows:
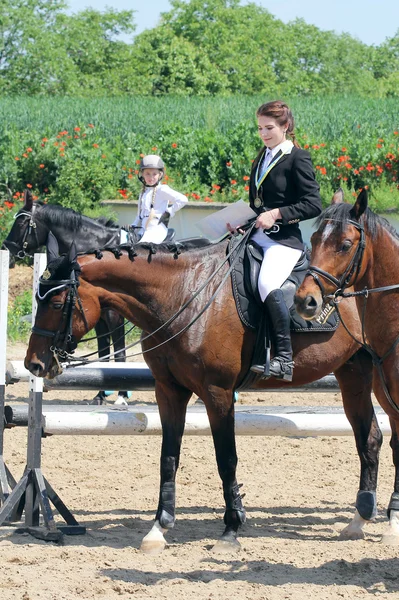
(300, 493)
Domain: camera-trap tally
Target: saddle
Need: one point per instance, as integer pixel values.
(244, 278)
(134, 235)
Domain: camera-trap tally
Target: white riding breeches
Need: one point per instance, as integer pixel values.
(278, 262)
(155, 234)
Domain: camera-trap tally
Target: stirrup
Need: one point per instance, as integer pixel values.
(260, 369)
(281, 368)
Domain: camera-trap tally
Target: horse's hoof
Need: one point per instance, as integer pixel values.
(121, 401)
(224, 546)
(152, 546)
(390, 538)
(97, 401)
(348, 534)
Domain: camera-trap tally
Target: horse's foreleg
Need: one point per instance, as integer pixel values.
(355, 380)
(172, 403)
(118, 340)
(220, 408)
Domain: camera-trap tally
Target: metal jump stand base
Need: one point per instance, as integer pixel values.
(34, 493)
(7, 481)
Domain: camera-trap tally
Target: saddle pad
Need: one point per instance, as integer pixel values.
(244, 276)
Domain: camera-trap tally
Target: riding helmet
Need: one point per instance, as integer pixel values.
(151, 161)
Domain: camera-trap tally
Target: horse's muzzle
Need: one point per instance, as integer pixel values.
(308, 307)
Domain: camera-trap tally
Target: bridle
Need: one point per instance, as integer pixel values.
(351, 271)
(31, 229)
(349, 277)
(64, 342)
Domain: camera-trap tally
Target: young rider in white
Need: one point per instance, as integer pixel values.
(157, 202)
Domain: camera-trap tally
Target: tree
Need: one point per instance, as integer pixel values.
(43, 50)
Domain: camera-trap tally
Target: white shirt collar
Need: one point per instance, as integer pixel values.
(285, 147)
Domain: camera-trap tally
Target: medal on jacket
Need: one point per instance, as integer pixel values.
(257, 202)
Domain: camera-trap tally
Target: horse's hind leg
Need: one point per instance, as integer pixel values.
(172, 403)
(355, 381)
(220, 408)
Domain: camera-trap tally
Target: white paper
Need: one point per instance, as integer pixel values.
(214, 226)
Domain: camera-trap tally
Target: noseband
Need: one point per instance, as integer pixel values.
(351, 270)
(64, 342)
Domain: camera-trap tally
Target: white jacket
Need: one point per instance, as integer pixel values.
(163, 199)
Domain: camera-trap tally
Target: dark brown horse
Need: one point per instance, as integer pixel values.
(30, 231)
(354, 247)
(210, 358)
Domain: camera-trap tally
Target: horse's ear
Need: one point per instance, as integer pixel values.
(360, 205)
(28, 200)
(52, 247)
(72, 254)
(338, 197)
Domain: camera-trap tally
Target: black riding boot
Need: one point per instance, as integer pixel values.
(281, 366)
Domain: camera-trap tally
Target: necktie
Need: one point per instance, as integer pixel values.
(265, 162)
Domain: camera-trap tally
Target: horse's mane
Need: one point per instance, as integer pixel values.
(190, 244)
(54, 214)
(337, 215)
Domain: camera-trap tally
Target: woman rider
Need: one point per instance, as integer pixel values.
(283, 192)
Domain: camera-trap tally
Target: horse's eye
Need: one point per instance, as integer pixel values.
(346, 246)
(57, 305)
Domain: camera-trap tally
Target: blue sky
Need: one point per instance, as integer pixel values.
(371, 21)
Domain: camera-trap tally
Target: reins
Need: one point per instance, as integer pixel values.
(352, 271)
(83, 359)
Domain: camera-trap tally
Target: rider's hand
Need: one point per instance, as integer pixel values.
(164, 218)
(234, 229)
(267, 219)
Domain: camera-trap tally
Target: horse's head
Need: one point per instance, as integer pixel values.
(338, 247)
(66, 311)
(26, 235)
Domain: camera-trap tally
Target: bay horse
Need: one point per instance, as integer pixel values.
(29, 233)
(206, 353)
(355, 247)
